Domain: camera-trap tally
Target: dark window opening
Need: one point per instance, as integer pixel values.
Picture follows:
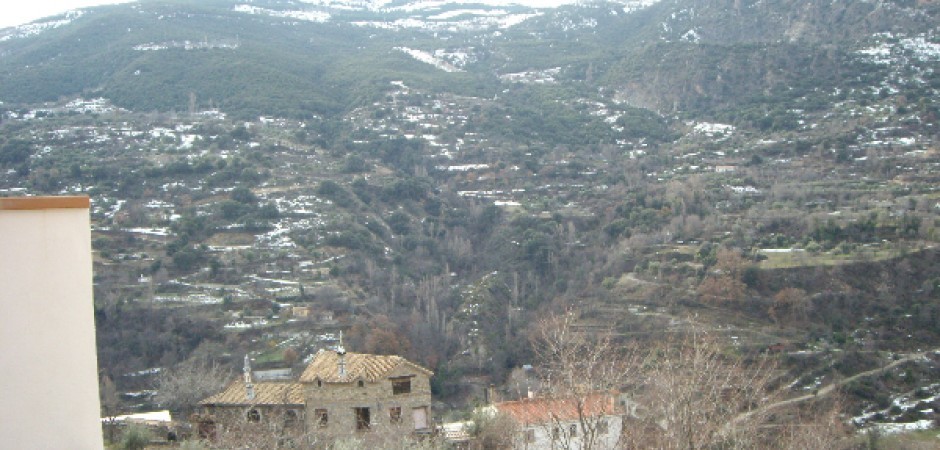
(206, 429)
(361, 383)
(322, 418)
(290, 418)
(363, 420)
(530, 435)
(573, 431)
(394, 414)
(401, 385)
(254, 415)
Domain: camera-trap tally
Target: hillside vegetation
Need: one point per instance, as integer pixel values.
(433, 183)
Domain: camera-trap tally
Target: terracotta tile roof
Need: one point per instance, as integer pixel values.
(266, 393)
(544, 410)
(371, 368)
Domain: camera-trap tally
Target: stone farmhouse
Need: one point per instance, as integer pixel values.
(339, 394)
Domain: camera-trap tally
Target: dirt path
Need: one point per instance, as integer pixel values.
(832, 387)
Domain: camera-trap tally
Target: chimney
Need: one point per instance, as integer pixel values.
(249, 387)
(341, 351)
(490, 396)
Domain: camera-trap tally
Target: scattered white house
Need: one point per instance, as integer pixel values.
(564, 423)
(725, 169)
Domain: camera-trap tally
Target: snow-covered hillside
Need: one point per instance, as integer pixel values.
(34, 28)
(430, 5)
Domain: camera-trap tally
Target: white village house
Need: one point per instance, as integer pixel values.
(555, 423)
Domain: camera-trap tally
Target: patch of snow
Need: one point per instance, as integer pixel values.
(447, 15)
(145, 372)
(546, 76)
(229, 44)
(475, 23)
(202, 299)
(153, 416)
(463, 168)
(243, 325)
(428, 58)
(309, 16)
(886, 53)
(430, 5)
(458, 57)
(922, 49)
(895, 428)
(149, 231)
(275, 281)
(712, 129)
(879, 54)
(32, 29)
(691, 36)
(140, 394)
(750, 190)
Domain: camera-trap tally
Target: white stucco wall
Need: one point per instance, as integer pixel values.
(48, 374)
(543, 436)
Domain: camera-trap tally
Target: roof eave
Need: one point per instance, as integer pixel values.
(301, 405)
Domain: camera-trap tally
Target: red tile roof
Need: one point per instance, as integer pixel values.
(545, 410)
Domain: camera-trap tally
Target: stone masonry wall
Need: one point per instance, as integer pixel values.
(340, 400)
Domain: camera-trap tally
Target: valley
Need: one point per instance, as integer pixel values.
(434, 182)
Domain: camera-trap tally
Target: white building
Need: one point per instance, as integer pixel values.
(564, 423)
(47, 326)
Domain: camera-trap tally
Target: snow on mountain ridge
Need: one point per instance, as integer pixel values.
(430, 5)
(474, 23)
(310, 16)
(467, 12)
(32, 29)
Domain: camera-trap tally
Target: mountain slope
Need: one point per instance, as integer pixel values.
(152, 56)
(717, 58)
(725, 56)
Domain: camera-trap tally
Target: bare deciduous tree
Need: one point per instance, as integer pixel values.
(273, 429)
(691, 392)
(492, 431)
(823, 429)
(183, 387)
(789, 305)
(110, 403)
(583, 372)
(698, 395)
(726, 283)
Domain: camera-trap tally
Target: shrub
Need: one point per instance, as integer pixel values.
(135, 438)
(813, 247)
